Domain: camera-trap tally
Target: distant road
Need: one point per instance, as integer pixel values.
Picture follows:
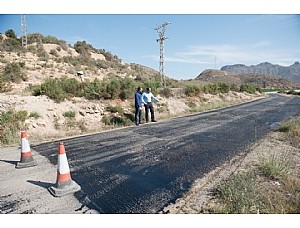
(143, 169)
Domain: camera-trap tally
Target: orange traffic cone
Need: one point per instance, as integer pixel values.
(26, 154)
(64, 184)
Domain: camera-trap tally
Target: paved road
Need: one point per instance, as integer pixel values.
(142, 169)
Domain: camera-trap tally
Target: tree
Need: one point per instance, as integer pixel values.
(11, 34)
(83, 48)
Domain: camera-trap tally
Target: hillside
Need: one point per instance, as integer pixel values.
(291, 72)
(212, 76)
(43, 80)
(46, 56)
(259, 80)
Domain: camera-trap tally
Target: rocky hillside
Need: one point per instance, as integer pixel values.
(212, 76)
(259, 80)
(46, 59)
(46, 56)
(291, 72)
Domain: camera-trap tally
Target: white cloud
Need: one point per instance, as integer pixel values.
(281, 21)
(183, 59)
(264, 43)
(232, 54)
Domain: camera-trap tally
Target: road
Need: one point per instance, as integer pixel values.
(142, 169)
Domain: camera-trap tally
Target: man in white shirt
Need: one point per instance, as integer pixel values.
(147, 97)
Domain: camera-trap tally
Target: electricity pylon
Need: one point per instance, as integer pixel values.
(161, 32)
(24, 31)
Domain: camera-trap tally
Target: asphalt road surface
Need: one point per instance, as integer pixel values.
(142, 169)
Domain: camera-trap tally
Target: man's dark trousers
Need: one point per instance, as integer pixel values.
(138, 115)
(147, 107)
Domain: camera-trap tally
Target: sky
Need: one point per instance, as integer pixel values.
(195, 41)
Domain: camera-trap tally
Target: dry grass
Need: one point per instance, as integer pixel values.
(264, 180)
(269, 186)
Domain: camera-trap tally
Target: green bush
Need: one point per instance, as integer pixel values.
(192, 90)
(12, 45)
(115, 109)
(116, 120)
(58, 89)
(127, 88)
(112, 87)
(63, 44)
(248, 88)
(291, 127)
(216, 88)
(77, 61)
(166, 92)
(102, 64)
(11, 123)
(69, 114)
(276, 166)
(43, 55)
(65, 88)
(52, 88)
(153, 84)
(224, 88)
(34, 38)
(14, 72)
(54, 53)
(4, 85)
(71, 86)
(11, 34)
(32, 49)
(34, 115)
(49, 40)
(35, 90)
(234, 87)
(83, 48)
(93, 90)
(106, 119)
(239, 194)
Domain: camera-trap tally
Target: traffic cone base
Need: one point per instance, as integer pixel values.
(64, 183)
(68, 188)
(26, 154)
(26, 164)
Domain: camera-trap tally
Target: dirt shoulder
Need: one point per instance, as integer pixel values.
(25, 191)
(200, 197)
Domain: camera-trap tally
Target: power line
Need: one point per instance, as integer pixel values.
(161, 32)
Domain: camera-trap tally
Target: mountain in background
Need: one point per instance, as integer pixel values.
(259, 80)
(291, 73)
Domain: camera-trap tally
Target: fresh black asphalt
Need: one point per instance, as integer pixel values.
(141, 169)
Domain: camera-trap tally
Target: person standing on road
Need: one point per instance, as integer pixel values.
(147, 97)
(138, 106)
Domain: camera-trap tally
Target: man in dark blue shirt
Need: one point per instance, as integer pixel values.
(138, 106)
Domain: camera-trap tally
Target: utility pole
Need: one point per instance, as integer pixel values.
(215, 65)
(24, 31)
(161, 32)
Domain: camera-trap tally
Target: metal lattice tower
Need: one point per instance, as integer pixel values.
(215, 65)
(24, 31)
(161, 32)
